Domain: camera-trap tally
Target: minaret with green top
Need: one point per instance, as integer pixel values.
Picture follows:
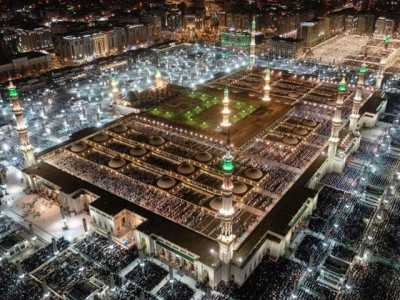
(22, 129)
(226, 214)
(267, 87)
(382, 65)
(336, 123)
(115, 91)
(253, 43)
(357, 98)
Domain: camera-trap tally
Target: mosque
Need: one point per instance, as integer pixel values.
(199, 199)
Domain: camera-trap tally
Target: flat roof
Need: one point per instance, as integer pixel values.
(278, 219)
(373, 103)
(112, 205)
(11, 240)
(80, 291)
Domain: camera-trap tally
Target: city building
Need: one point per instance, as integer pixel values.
(34, 39)
(314, 32)
(24, 64)
(383, 27)
(286, 47)
(89, 45)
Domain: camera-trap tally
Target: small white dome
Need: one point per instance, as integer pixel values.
(156, 140)
(253, 173)
(203, 156)
(137, 151)
(119, 128)
(300, 131)
(101, 137)
(166, 182)
(185, 168)
(116, 162)
(79, 147)
(290, 140)
(239, 187)
(216, 203)
(310, 123)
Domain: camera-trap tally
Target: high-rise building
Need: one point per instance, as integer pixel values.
(383, 27)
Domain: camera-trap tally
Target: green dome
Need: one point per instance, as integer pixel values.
(387, 40)
(268, 70)
(227, 166)
(342, 87)
(253, 24)
(363, 69)
(113, 78)
(226, 91)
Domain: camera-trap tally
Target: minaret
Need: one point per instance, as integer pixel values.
(226, 213)
(226, 111)
(115, 91)
(22, 129)
(357, 99)
(267, 87)
(379, 75)
(159, 82)
(382, 64)
(336, 124)
(253, 43)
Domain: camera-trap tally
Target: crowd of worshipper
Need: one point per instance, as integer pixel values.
(312, 289)
(153, 97)
(310, 245)
(209, 180)
(342, 214)
(348, 225)
(110, 255)
(342, 252)
(118, 146)
(316, 139)
(386, 235)
(166, 164)
(336, 50)
(374, 281)
(223, 291)
(346, 180)
(65, 270)
(175, 290)
(270, 280)
(277, 180)
(141, 174)
(52, 115)
(129, 291)
(258, 200)
(7, 226)
(130, 189)
(147, 275)
(180, 137)
(192, 195)
(13, 287)
(42, 255)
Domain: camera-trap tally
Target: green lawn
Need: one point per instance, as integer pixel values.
(205, 113)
